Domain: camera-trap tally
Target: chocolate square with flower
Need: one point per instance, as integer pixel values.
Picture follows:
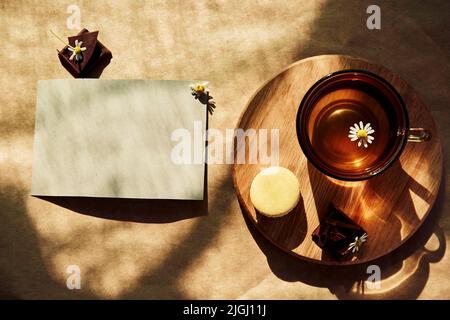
(85, 56)
(339, 235)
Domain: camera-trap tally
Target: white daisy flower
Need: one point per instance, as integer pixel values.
(354, 246)
(77, 51)
(362, 133)
(201, 87)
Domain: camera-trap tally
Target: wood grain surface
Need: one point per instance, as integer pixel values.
(390, 206)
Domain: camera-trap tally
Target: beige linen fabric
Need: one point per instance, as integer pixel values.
(237, 45)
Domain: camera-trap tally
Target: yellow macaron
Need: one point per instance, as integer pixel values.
(275, 191)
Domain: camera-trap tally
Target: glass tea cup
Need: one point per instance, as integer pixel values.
(352, 125)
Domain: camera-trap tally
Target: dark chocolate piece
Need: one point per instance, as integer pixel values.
(95, 58)
(336, 232)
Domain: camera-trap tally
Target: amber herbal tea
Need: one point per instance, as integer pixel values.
(351, 124)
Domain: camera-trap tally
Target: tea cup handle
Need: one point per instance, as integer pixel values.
(418, 135)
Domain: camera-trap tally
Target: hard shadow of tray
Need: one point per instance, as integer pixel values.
(340, 279)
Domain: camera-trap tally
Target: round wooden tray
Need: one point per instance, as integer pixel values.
(390, 207)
